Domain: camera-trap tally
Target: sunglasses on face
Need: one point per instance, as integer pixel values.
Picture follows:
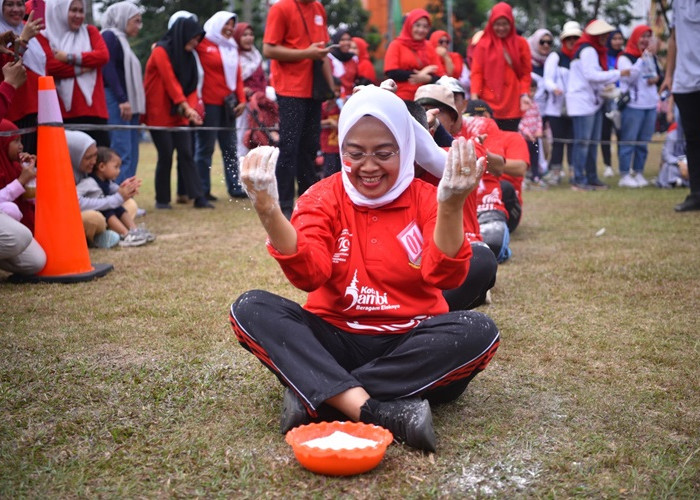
(444, 41)
(546, 42)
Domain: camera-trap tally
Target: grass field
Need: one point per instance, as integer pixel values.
(132, 386)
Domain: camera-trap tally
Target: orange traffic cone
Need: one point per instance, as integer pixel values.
(58, 225)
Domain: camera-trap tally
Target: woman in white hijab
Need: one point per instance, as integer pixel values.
(83, 156)
(224, 99)
(374, 248)
(126, 99)
(75, 54)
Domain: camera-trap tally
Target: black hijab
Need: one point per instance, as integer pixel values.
(183, 62)
(341, 56)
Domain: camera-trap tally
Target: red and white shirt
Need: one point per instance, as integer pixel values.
(371, 271)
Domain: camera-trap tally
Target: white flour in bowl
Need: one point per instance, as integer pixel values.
(339, 441)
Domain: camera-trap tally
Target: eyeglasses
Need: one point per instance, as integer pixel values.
(357, 157)
(444, 41)
(546, 42)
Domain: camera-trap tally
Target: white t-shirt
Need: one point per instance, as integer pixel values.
(642, 94)
(686, 20)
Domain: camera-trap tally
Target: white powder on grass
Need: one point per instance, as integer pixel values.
(340, 440)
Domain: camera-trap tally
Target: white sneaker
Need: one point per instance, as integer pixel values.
(640, 180)
(133, 238)
(609, 172)
(628, 181)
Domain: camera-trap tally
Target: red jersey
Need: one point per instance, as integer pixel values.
(7, 94)
(488, 194)
(329, 136)
(398, 56)
(214, 87)
(515, 147)
(371, 271)
(163, 91)
(26, 100)
(469, 219)
(508, 104)
(95, 59)
(286, 27)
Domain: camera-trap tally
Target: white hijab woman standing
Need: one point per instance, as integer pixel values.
(126, 98)
(224, 99)
(75, 54)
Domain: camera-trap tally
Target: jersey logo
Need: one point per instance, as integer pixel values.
(343, 247)
(366, 298)
(318, 20)
(412, 240)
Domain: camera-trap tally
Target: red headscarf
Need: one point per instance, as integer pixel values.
(238, 30)
(420, 47)
(365, 68)
(492, 46)
(632, 47)
(10, 170)
(592, 40)
(436, 36)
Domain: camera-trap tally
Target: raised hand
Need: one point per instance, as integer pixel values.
(258, 178)
(462, 172)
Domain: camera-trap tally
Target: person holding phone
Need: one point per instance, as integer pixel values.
(295, 36)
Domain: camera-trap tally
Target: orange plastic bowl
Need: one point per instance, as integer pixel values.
(343, 462)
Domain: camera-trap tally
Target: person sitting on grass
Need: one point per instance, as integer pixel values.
(374, 248)
(83, 155)
(16, 165)
(19, 252)
(100, 184)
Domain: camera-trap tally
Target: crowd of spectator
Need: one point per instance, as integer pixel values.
(528, 99)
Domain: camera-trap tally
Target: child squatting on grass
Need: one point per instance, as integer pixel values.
(374, 247)
(100, 183)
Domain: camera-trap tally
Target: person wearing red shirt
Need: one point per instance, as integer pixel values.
(500, 70)
(295, 36)
(171, 98)
(451, 63)
(343, 61)
(75, 53)
(490, 208)
(517, 158)
(218, 55)
(410, 60)
(365, 69)
(330, 111)
(23, 109)
(374, 247)
(481, 277)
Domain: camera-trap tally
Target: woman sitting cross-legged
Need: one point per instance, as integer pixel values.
(374, 248)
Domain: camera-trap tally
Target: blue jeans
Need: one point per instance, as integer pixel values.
(204, 149)
(586, 128)
(637, 125)
(124, 142)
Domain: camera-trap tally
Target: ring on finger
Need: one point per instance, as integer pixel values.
(465, 170)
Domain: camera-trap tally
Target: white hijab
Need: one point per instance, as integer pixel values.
(115, 19)
(61, 37)
(78, 143)
(386, 107)
(415, 142)
(228, 48)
